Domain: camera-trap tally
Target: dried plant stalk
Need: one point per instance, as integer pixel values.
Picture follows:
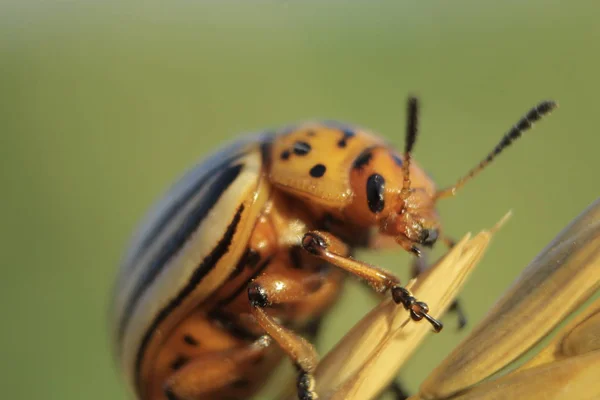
(566, 368)
(580, 336)
(565, 274)
(570, 378)
(369, 356)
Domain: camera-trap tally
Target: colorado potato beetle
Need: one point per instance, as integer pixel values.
(250, 246)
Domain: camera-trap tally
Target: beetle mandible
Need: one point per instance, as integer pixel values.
(251, 246)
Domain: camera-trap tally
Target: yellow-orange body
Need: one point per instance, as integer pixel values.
(250, 248)
(288, 202)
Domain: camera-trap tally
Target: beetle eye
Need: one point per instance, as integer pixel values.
(429, 237)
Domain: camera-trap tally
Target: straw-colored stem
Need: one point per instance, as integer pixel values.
(565, 274)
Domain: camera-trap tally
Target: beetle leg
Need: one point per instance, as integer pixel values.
(396, 389)
(213, 371)
(329, 248)
(449, 242)
(457, 307)
(270, 290)
(420, 265)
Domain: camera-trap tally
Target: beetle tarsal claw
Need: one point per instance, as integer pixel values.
(437, 325)
(314, 243)
(416, 251)
(306, 386)
(418, 309)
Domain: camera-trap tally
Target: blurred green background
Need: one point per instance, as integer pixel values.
(103, 104)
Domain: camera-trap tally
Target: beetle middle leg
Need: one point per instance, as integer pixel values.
(329, 248)
(213, 371)
(273, 290)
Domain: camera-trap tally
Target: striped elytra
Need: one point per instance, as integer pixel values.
(271, 220)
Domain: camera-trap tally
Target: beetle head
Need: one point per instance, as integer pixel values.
(404, 203)
(414, 222)
(377, 181)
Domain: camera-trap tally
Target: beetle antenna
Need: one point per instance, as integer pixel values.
(412, 122)
(524, 124)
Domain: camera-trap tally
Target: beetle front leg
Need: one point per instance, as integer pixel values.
(329, 248)
(420, 265)
(272, 289)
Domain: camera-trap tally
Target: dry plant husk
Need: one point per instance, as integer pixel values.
(367, 359)
(564, 275)
(555, 284)
(574, 378)
(567, 368)
(580, 336)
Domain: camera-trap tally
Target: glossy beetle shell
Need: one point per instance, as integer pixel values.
(247, 250)
(192, 240)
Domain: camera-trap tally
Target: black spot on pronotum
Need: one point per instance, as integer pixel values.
(375, 192)
(348, 134)
(179, 362)
(363, 159)
(311, 133)
(189, 339)
(302, 148)
(285, 154)
(318, 171)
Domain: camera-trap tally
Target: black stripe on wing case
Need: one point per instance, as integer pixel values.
(203, 269)
(176, 241)
(244, 284)
(180, 202)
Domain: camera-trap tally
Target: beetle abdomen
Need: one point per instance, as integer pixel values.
(188, 247)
